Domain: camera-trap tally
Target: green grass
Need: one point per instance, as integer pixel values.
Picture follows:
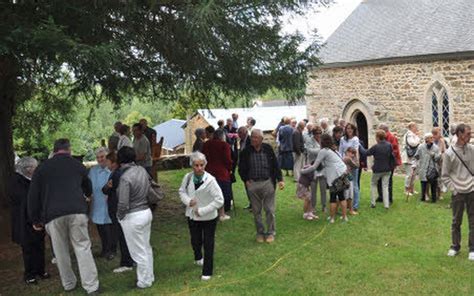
(399, 252)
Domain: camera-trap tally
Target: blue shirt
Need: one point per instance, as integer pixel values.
(99, 211)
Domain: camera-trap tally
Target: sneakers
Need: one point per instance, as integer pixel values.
(260, 239)
(270, 239)
(31, 281)
(205, 277)
(331, 220)
(44, 276)
(199, 262)
(315, 217)
(122, 269)
(353, 213)
(452, 253)
(308, 216)
(471, 256)
(345, 219)
(224, 218)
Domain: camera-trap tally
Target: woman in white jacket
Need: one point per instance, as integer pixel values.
(410, 142)
(202, 197)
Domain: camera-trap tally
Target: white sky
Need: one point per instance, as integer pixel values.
(324, 19)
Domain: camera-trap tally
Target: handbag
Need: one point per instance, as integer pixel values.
(432, 172)
(155, 194)
(340, 184)
(411, 151)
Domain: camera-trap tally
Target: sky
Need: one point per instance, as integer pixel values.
(324, 19)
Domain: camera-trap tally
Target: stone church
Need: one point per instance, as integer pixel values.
(395, 62)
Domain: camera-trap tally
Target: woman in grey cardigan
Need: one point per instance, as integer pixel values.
(333, 167)
(202, 197)
(134, 215)
(427, 157)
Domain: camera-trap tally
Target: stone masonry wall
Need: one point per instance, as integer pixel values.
(394, 93)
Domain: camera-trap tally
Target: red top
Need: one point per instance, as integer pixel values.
(219, 161)
(395, 147)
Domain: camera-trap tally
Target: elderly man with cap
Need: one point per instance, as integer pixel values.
(259, 169)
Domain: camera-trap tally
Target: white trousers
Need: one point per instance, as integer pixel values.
(136, 228)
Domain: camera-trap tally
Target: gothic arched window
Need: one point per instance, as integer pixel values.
(440, 108)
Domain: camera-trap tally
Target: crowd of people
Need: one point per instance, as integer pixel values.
(60, 196)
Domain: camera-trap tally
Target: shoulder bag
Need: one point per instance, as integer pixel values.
(411, 151)
(342, 183)
(462, 161)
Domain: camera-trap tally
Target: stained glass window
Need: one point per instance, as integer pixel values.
(445, 114)
(434, 109)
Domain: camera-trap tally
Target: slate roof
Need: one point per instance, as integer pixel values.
(267, 118)
(172, 133)
(383, 29)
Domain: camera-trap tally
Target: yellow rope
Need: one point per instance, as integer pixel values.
(275, 264)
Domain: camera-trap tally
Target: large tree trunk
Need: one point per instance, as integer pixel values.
(8, 89)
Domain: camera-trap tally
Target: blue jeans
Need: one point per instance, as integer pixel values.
(355, 201)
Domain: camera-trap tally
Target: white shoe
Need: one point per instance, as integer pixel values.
(54, 261)
(331, 220)
(452, 252)
(122, 269)
(205, 277)
(224, 218)
(199, 262)
(345, 219)
(471, 256)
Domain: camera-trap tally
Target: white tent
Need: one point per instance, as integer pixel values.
(267, 118)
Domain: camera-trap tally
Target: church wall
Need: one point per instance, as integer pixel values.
(394, 93)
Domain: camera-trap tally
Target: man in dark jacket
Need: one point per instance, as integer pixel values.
(299, 156)
(57, 202)
(259, 169)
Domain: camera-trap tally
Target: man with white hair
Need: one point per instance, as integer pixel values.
(99, 214)
(259, 169)
(324, 123)
(56, 201)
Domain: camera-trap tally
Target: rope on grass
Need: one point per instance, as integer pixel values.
(275, 264)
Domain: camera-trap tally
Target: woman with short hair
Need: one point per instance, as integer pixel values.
(134, 214)
(333, 168)
(427, 157)
(312, 147)
(410, 143)
(117, 236)
(384, 163)
(202, 196)
(30, 240)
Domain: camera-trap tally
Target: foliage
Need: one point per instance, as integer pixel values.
(84, 124)
(397, 252)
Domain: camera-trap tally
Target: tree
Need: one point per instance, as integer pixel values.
(161, 50)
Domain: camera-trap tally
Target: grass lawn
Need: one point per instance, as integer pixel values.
(397, 252)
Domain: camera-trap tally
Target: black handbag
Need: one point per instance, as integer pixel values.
(432, 172)
(340, 184)
(411, 151)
